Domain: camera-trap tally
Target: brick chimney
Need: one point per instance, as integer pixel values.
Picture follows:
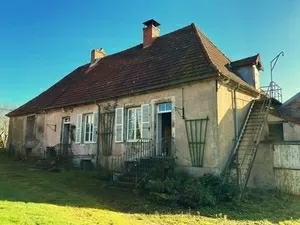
(150, 32)
(97, 54)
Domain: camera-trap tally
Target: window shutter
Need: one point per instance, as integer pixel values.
(146, 121)
(95, 127)
(78, 128)
(119, 124)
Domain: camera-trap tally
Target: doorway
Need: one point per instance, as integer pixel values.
(65, 136)
(164, 130)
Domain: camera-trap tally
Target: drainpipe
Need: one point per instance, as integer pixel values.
(98, 138)
(236, 127)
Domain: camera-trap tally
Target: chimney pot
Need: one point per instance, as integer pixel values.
(97, 54)
(150, 32)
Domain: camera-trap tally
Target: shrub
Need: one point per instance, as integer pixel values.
(191, 192)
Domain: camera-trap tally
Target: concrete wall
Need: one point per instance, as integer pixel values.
(226, 131)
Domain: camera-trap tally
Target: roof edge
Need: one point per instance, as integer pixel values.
(204, 49)
(158, 87)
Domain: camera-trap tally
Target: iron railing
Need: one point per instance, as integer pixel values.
(235, 147)
(142, 149)
(250, 154)
(273, 90)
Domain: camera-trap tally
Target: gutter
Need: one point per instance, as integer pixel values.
(236, 127)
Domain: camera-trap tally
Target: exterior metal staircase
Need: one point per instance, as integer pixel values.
(139, 160)
(244, 151)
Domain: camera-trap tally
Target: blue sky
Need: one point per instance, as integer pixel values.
(42, 41)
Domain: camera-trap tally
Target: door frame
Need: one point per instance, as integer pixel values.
(66, 120)
(159, 131)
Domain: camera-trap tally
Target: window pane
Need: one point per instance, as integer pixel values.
(138, 123)
(168, 107)
(131, 134)
(88, 136)
(161, 107)
(91, 132)
(131, 116)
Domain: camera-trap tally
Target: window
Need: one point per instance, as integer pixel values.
(30, 125)
(138, 122)
(88, 125)
(165, 107)
(134, 124)
(276, 132)
(87, 128)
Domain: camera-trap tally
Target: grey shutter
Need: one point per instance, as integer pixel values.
(119, 124)
(78, 128)
(146, 121)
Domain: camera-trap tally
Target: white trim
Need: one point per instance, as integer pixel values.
(91, 124)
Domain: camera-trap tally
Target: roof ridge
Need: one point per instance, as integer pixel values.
(211, 42)
(211, 63)
(140, 44)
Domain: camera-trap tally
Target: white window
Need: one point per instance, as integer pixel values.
(88, 127)
(134, 124)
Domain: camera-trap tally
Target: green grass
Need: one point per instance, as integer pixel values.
(40, 197)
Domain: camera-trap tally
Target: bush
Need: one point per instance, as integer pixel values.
(191, 192)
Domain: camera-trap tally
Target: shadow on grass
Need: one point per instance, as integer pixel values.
(82, 189)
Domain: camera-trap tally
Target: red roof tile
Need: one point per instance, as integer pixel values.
(178, 57)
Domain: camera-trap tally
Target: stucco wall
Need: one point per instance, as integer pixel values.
(256, 77)
(53, 137)
(226, 125)
(199, 102)
(262, 173)
(16, 134)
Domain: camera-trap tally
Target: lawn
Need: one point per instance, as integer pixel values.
(41, 197)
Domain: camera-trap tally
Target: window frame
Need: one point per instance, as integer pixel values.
(135, 124)
(91, 132)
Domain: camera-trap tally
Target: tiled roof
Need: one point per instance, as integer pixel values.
(290, 109)
(177, 57)
(252, 60)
